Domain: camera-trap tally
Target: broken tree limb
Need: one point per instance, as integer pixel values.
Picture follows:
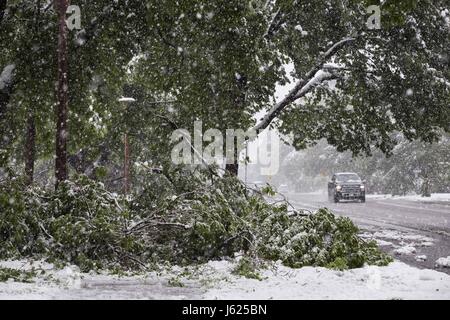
(304, 85)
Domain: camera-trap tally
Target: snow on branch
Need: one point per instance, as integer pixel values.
(320, 77)
(127, 100)
(312, 78)
(438, 76)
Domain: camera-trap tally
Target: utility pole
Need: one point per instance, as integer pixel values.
(62, 108)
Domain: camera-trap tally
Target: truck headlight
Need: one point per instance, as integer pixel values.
(338, 188)
(362, 188)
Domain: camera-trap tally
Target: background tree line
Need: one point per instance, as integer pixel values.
(413, 167)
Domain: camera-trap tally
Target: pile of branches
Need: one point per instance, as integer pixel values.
(179, 216)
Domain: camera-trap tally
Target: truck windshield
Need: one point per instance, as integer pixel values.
(348, 177)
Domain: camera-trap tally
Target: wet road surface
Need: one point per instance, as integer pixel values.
(399, 226)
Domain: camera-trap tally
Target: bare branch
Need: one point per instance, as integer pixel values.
(305, 85)
(151, 223)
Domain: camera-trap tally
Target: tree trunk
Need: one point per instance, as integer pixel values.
(5, 96)
(233, 168)
(61, 171)
(30, 139)
(426, 192)
(30, 150)
(6, 131)
(239, 102)
(2, 9)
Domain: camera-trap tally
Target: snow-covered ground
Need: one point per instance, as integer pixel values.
(70, 284)
(434, 197)
(216, 281)
(396, 281)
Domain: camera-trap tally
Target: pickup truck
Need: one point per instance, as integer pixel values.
(346, 186)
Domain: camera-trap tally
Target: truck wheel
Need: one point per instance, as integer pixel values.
(363, 199)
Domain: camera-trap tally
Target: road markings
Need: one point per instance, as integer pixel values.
(412, 207)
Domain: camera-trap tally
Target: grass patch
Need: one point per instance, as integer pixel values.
(16, 275)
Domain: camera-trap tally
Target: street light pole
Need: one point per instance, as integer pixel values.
(126, 165)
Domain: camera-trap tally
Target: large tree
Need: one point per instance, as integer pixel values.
(98, 55)
(62, 109)
(221, 61)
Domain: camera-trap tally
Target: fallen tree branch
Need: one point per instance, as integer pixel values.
(304, 85)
